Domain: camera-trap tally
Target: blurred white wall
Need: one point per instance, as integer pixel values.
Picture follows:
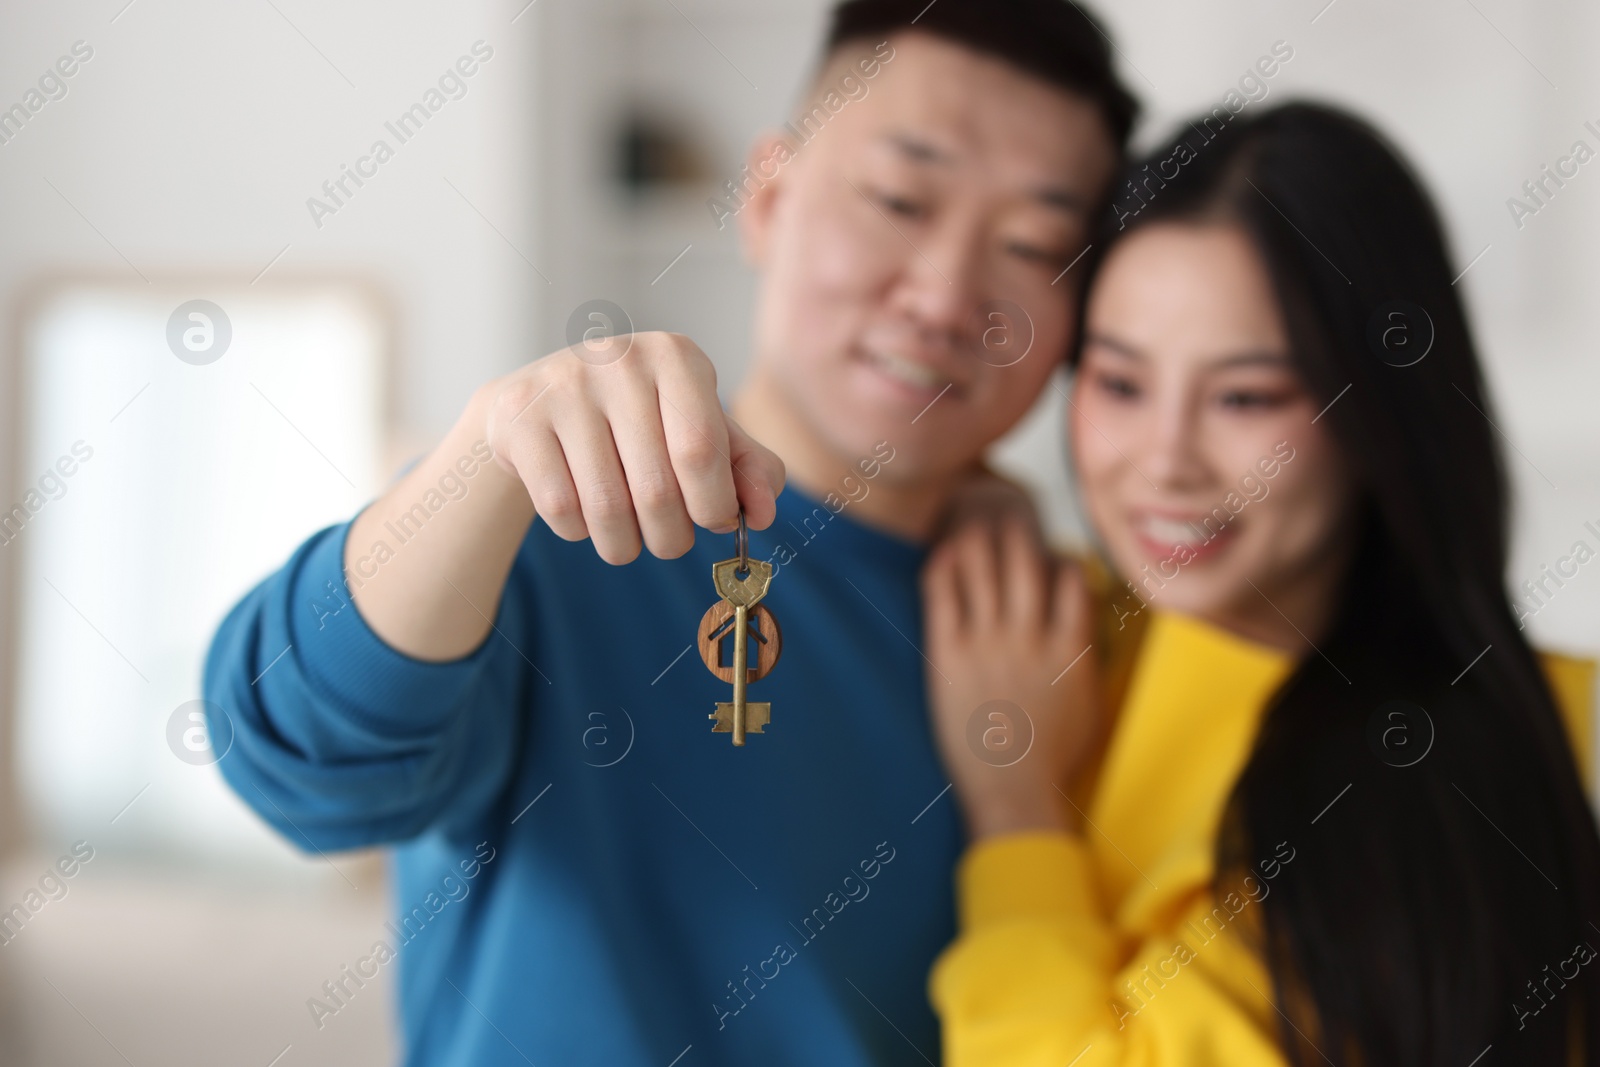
(187, 147)
(182, 156)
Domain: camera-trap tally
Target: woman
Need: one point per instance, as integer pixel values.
(1309, 797)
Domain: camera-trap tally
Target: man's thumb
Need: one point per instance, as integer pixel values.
(758, 476)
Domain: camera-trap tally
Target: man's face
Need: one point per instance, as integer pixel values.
(912, 253)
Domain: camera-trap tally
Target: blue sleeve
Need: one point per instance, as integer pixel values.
(339, 741)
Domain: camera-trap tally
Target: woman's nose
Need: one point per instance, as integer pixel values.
(1170, 445)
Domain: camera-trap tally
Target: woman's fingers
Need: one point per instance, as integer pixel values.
(941, 597)
(1003, 578)
(1070, 608)
(1023, 566)
(978, 576)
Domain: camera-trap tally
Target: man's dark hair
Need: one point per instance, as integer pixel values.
(1054, 40)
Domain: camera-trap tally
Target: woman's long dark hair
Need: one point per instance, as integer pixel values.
(1436, 906)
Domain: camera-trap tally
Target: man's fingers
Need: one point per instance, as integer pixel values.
(601, 483)
(636, 451)
(658, 503)
(540, 463)
(697, 441)
(758, 476)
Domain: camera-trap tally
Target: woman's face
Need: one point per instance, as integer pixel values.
(1204, 468)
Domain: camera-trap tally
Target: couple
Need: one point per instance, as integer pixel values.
(1273, 778)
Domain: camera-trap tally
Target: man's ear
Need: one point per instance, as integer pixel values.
(768, 159)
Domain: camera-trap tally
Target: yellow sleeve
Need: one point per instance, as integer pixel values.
(1572, 682)
(1038, 976)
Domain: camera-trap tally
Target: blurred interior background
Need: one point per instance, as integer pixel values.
(175, 163)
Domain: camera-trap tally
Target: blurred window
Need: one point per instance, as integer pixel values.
(174, 451)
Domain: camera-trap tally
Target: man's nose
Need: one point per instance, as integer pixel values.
(944, 279)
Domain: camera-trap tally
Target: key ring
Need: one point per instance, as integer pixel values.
(740, 616)
(743, 538)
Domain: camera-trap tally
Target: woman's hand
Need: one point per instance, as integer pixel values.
(1014, 692)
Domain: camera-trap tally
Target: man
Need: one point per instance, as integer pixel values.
(585, 872)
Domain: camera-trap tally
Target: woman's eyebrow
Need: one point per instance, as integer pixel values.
(1262, 358)
(1257, 358)
(1121, 348)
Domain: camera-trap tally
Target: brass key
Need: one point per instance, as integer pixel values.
(741, 582)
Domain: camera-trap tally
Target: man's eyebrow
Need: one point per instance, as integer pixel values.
(919, 150)
(1062, 200)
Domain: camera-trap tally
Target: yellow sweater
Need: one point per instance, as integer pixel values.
(1109, 949)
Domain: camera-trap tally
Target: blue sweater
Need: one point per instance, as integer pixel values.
(583, 872)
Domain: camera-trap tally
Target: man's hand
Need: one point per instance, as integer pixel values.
(1004, 624)
(628, 451)
(633, 450)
